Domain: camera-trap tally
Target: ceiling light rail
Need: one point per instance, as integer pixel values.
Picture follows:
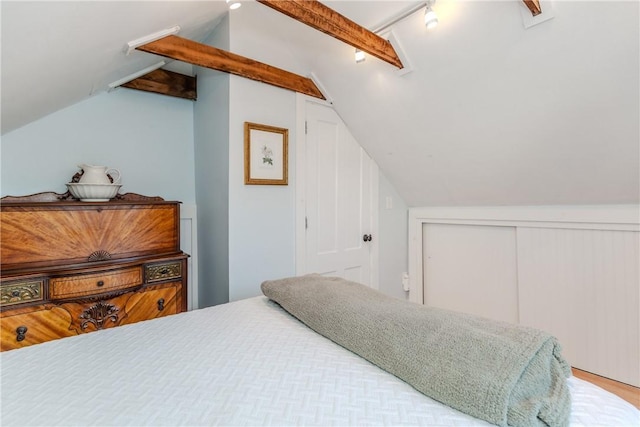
(402, 15)
(135, 75)
(133, 44)
(430, 21)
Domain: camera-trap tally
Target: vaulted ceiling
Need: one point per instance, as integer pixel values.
(56, 53)
(490, 112)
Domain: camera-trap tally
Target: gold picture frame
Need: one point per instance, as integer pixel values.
(265, 155)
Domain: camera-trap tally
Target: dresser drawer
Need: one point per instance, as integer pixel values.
(20, 291)
(95, 283)
(154, 301)
(162, 271)
(37, 324)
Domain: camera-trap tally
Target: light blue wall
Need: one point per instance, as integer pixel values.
(211, 130)
(261, 217)
(246, 233)
(194, 153)
(148, 137)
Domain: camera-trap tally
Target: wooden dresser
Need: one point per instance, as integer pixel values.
(70, 267)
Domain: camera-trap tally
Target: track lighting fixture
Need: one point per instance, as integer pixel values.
(430, 21)
(233, 4)
(430, 17)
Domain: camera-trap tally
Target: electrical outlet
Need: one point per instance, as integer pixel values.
(405, 281)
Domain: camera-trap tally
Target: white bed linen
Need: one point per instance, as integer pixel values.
(244, 363)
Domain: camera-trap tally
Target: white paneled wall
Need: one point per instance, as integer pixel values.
(577, 274)
(582, 286)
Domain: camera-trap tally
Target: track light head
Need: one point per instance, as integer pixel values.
(430, 17)
(233, 4)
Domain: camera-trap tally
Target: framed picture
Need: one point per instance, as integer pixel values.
(265, 154)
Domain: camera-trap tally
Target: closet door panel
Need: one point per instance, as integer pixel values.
(472, 269)
(583, 287)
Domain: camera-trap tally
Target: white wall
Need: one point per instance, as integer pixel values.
(148, 137)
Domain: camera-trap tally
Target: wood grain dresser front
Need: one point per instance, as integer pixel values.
(70, 267)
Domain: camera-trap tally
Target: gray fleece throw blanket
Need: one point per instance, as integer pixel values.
(502, 373)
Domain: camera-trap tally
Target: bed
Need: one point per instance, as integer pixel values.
(248, 362)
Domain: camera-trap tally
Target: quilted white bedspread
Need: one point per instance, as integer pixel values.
(243, 363)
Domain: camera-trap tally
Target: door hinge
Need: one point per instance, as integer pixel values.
(306, 223)
(305, 127)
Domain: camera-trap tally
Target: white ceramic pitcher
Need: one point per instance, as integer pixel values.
(98, 175)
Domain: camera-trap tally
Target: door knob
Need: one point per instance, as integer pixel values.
(367, 237)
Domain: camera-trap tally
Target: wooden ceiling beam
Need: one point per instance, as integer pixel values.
(534, 6)
(165, 82)
(322, 18)
(195, 53)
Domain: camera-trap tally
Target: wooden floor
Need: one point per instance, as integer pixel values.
(627, 392)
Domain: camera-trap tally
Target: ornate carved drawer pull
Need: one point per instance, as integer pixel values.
(161, 304)
(98, 314)
(21, 333)
(159, 272)
(21, 291)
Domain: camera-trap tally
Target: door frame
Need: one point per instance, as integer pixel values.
(300, 193)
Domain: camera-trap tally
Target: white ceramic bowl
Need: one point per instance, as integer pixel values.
(93, 192)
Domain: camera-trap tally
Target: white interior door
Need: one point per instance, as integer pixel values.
(340, 200)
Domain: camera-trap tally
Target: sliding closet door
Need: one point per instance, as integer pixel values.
(583, 286)
(472, 269)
